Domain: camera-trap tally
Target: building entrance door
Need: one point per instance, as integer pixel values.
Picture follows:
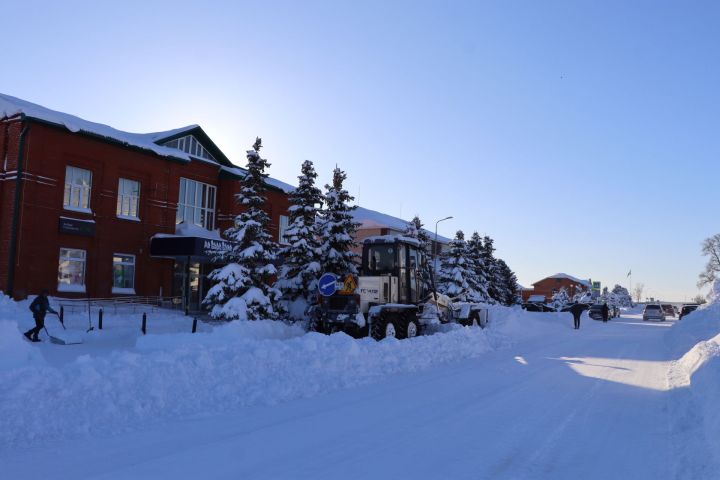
(190, 282)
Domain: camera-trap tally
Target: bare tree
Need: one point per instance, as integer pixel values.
(710, 248)
(638, 291)
(699, 299)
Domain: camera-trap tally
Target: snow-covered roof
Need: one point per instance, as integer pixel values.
(536, 298)
(273, 182)
(568, 277)
(373, 219)
(12, 106)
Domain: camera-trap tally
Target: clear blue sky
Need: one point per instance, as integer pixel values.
(583, 136)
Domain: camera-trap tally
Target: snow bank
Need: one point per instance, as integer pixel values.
(15, 351)
(237, 365)
(695, 341)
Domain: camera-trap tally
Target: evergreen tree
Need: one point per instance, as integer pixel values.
(560, 299)
(337, 229)
(301, 268)
(456, 275)
(415, 230)
(623, 296)
(491, 270)
(510, 284)
(242, 287)
(477, 264)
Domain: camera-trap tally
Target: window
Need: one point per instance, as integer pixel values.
(128, 198)
(282, 228)
(123, 273)
(381, 259)
(196, 204)
(71, 270)
(189, 144)
(77, 189)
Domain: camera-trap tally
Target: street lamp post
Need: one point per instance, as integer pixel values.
(436, 243)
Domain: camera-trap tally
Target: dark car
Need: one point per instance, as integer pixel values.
(686, 309)
(537, 307)
(595, 311)
(668, 310)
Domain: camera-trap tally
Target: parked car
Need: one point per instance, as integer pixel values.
(686, 309)
(537, 307)
(595, 311)
(668, 310)
(653, 312)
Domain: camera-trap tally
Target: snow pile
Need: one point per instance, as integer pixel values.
(15, 351)
(237, 365)
(697, 339)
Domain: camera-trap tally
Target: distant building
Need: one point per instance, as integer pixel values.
(549, 286)
(373, 223)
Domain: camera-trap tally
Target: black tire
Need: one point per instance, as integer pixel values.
(476, 320)
(408, 328)
(380, 325)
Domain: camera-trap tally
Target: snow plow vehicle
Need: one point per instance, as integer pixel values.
(388, 299)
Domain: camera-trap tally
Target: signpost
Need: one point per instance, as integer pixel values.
(327, 285)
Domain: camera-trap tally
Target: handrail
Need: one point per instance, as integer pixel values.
(114, 303)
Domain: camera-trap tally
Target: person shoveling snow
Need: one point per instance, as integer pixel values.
(40, 306)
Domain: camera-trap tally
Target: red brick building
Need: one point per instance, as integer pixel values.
(373, 223)
(90, 211)
(549, 286)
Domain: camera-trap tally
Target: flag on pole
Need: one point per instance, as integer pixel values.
(630, 272)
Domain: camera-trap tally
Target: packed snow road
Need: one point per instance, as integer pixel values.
(589, 403)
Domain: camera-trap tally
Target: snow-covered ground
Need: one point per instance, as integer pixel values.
(529, 397)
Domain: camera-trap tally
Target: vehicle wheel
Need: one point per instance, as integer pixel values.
(477, 320)
(383, 327)
(408, 328)
(316, 326)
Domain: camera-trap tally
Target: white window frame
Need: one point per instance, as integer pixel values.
(65, 256)
(133, 264)
(190, 145)
(128, 200)
(193, 203)
(71, 188)
(283, 224)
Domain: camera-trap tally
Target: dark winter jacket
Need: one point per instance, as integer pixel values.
(577, 310)
(605, 311)
(40, 306)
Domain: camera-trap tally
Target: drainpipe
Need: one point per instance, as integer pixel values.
(16, 209)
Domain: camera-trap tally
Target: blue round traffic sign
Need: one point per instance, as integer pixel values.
(327, 285)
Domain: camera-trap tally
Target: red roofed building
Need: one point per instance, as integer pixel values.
(549, 286)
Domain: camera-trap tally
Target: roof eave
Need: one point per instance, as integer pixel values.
(110, 140)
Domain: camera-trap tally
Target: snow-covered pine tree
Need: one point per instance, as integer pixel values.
(456, 276)
(415, 230)
(337, 229)
(300, 271)
(560, 299)
(510, 286)
(623, 295)
(242, 287)
(477, 264)
(493, 277)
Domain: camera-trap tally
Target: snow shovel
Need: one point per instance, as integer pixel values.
(66, 338)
